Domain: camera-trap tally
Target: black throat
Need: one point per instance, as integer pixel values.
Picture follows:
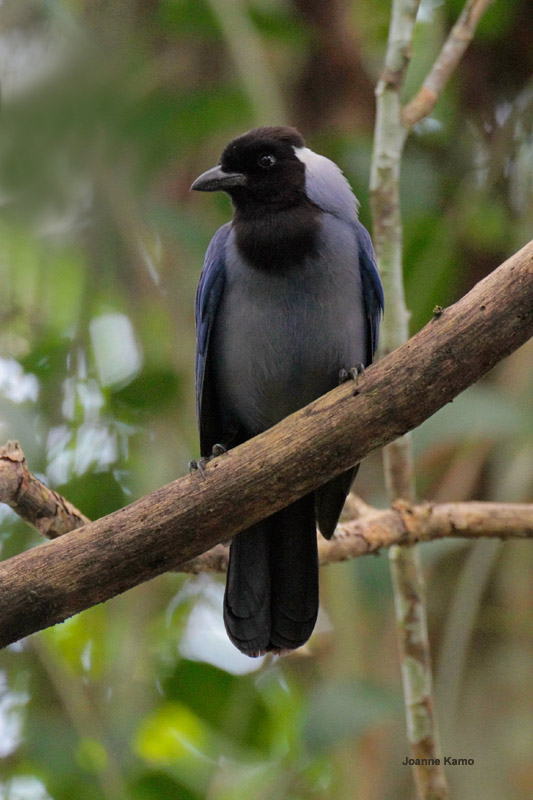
(276, 238)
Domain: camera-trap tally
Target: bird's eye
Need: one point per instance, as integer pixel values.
(266, 161)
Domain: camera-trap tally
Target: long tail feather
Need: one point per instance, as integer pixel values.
(294, 575)
(329, 500)
(247, 596)
(271, 599)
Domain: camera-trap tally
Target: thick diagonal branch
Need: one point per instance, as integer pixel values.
(189, 516)
(369, 531)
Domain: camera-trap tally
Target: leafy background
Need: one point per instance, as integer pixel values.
(110, 109)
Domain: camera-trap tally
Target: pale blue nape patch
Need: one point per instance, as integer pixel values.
(326, 185)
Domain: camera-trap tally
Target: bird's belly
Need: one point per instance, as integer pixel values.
(276, 356)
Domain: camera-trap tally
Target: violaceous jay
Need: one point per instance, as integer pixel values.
(289, 299)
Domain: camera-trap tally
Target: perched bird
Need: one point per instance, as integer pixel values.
(289, 300)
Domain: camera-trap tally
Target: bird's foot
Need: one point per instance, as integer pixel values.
(200, 465)
(351, 374)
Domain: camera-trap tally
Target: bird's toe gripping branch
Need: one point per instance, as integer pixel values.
(351, 374)
(200, 465)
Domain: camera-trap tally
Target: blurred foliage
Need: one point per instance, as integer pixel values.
(110, 109)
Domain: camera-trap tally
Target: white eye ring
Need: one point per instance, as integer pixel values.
(266, 161)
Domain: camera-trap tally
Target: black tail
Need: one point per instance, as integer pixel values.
(247, 596)
(329, 500)
(271, 599)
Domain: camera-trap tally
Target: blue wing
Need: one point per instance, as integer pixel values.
(373, 296)
(210, 289)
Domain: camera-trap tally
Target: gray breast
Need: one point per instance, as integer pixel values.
(281, 337)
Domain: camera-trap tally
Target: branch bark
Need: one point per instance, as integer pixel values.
(43, 508)
(403, 524)
(176, 523)
(369, 530)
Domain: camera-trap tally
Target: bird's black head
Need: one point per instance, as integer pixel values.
(259, 168)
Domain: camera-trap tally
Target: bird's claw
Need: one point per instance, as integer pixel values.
(351, 374)
(200, 465)
(357, 371)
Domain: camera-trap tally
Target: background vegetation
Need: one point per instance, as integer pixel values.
(110, 109)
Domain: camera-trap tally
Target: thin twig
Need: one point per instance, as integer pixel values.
(407, 578)
(452, 51)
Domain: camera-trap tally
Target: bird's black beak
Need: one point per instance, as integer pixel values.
(216, 180)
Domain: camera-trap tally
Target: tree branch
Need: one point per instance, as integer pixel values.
(369, 531)
(176, 523)
(392, 126)
(406, 571)
(452, 51)
(43, 508)
(403, 524)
